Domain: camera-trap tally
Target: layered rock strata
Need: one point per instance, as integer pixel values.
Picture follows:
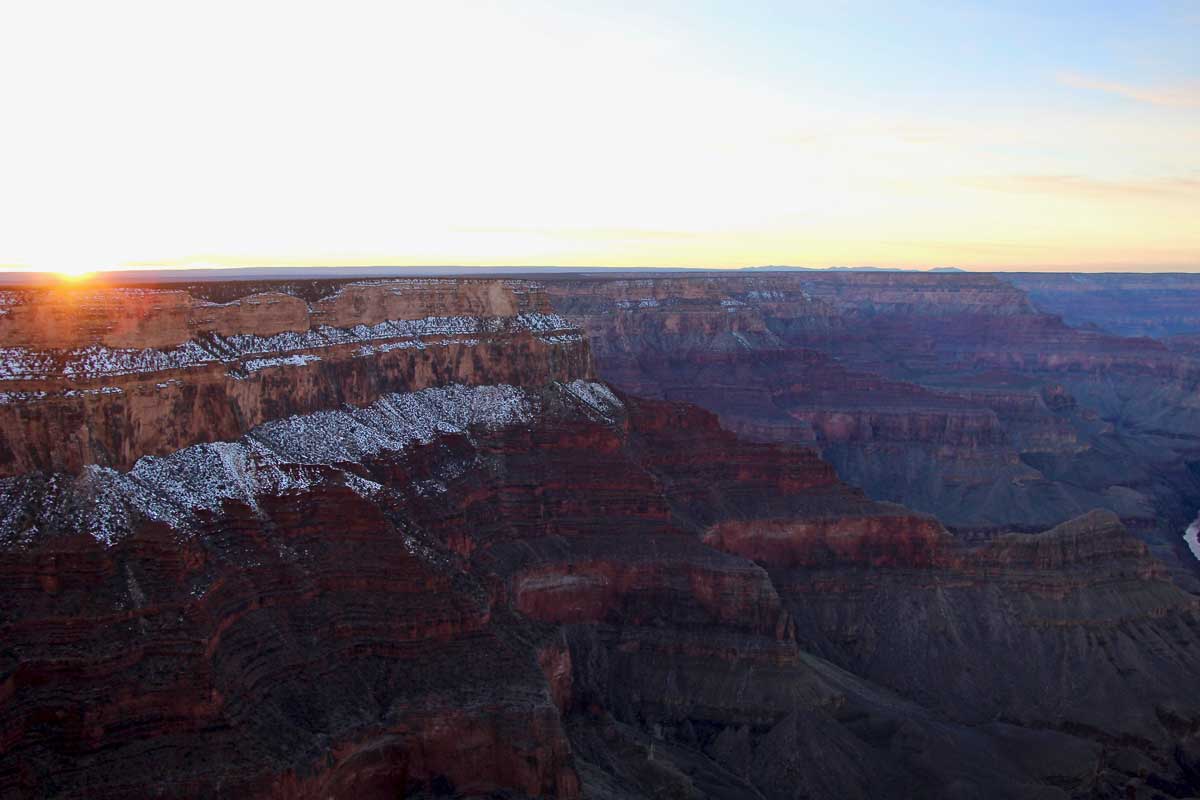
(953, 394)
(542, 587)
(1131, 304)
(107, 376)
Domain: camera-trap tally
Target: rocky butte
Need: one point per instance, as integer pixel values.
(766, 535)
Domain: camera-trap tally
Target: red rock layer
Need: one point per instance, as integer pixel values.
(306, 651)
(903, 540)
(75, 316)
(166, 411)
(60, 421)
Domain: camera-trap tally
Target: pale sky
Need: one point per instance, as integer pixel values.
(985, 135)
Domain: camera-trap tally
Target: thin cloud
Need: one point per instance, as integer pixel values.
(1080, 185)
(1185, 95)
(838, 135)
(975, 247)
(585, 233)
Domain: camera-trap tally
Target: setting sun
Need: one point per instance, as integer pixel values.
(73, 273)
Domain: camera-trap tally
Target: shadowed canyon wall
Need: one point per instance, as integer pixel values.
(950, 393)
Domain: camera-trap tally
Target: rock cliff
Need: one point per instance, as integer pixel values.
(108, 376)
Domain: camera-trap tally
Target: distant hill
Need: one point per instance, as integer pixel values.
(782, 268)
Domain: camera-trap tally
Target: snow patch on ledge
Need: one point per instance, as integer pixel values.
(88, 392)
(387, 347)
(20, 397)
(648, 302)
(596, 398)
(20, 363)
(295, 453)
(255, 364)
(1192, 537)
(298, 451)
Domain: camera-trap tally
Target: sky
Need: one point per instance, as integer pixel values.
(989, 135)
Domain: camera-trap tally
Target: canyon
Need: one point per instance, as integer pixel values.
(953, 394)
(603, 535)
